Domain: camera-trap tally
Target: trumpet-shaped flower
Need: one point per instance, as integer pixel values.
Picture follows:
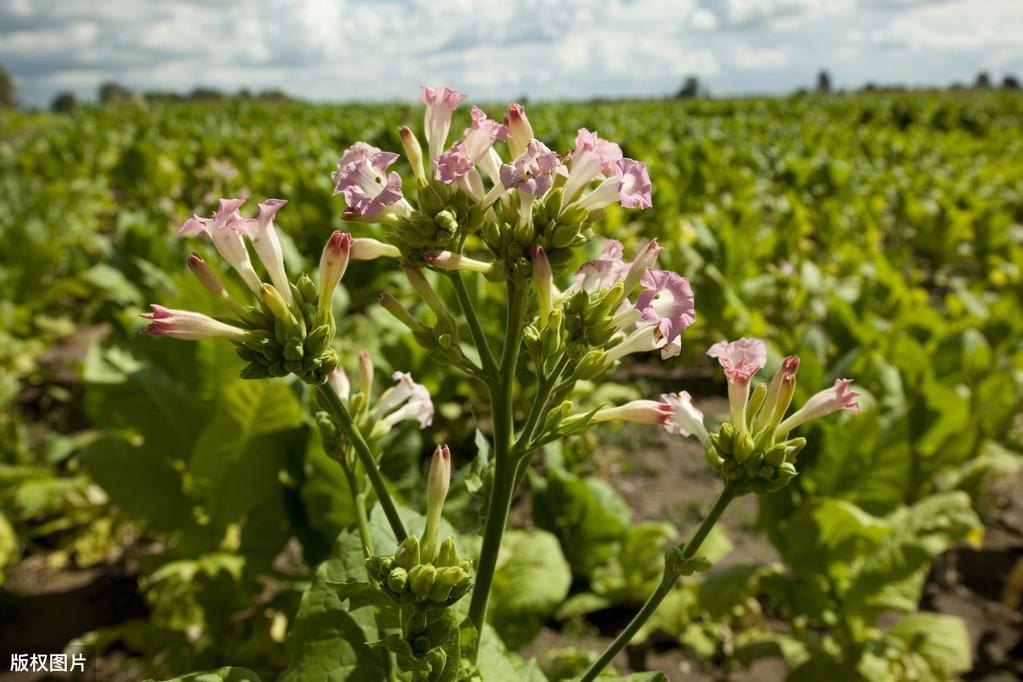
(741, 360)
(440, 105)
(405, 400)
(449, 261)
(531, 172)
(628, 183)
(666, 302)
(675, 412)
(188, 325)
(838, 397)
(263, 235)
(453, 164)
(481, 135)
(362, 178)
(592, 157)
(643, 338)
(604, 272)
(226, 229)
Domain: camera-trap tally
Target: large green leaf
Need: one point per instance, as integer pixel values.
(827, 534)
(531, 580)
(586, 515)
(141, 483)
(327, 642)
(891, 575)
(236, 459)
(723, 589)
(497, 664)
(941, 640)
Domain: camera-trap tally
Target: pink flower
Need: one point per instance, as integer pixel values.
(628, 184)
(440, 105)
(684, 419)
(369, 191)
(453, 164)
(666, 302)
(592, 156)
(604, 272)
(530, 172)
(481, 135)
(225, 228)
(406, 400)
(838, 397)
(675, 412)
(519, 130)
(740, 359)
(263, 235)
(188, 325)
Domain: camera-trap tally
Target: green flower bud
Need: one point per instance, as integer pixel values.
(293, 349)
(440, 593)
(775, 455)
(714, 460)
(407, 554)
(447, 555)
(307, 290)
(437, 659)
(459, 590)
(447, 221)
(379, 566)
(592, 364)
(756, 400)
(574, 215)
(421, 579)
(725, 436)
(743, 446)
(397, 579)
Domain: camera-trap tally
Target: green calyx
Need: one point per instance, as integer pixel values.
(752, 465)
(405, 579)
(289, 339)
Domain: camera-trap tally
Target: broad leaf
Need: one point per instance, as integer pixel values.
(228, 674)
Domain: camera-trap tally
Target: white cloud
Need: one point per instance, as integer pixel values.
(383, 49)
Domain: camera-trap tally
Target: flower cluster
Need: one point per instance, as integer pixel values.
(753, 450)
(528, 196)
(287, 327)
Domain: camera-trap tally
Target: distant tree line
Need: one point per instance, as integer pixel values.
(109, 93)
(692, 88)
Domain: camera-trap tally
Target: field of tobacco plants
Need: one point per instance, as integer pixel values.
(187, 507)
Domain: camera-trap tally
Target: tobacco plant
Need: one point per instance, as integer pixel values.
(517, 218)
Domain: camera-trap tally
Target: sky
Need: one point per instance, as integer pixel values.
(339, 50)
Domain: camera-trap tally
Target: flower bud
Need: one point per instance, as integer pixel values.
(543, 278)
(365, 373)
(421, 579)
(756, 400)
(449, 260)
(646, 257)
(437, 489)
(212, 284)
(397, 579)
(391, 305)
(333, 263)
(276, 304)
(446, 580)
(423, 288)
(413, 152)
(779, 396)
(379, 567)
(365, 248)
(519, 130)
(447, 555)
(407, 554)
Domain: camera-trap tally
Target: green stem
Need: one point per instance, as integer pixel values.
(359, 501)
(540, 402)
(663, 588)
(479, 338)
(343, 418)
(504, 466)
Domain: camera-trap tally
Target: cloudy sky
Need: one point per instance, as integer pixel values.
(383, 49)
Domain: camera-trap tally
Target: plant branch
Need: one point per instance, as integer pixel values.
(504, 466)
(479, 338)
(663, 588)
(343, 418)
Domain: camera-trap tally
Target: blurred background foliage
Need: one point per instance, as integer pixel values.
(876, 236)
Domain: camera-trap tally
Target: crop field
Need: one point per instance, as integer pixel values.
(176, 517)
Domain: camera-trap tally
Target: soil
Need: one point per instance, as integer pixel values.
(661, 478)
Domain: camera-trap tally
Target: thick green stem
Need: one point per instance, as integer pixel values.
(504, 466)
(663, 588)
(343, 418)
(539, 410)
(359, 501)
(479, 338)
